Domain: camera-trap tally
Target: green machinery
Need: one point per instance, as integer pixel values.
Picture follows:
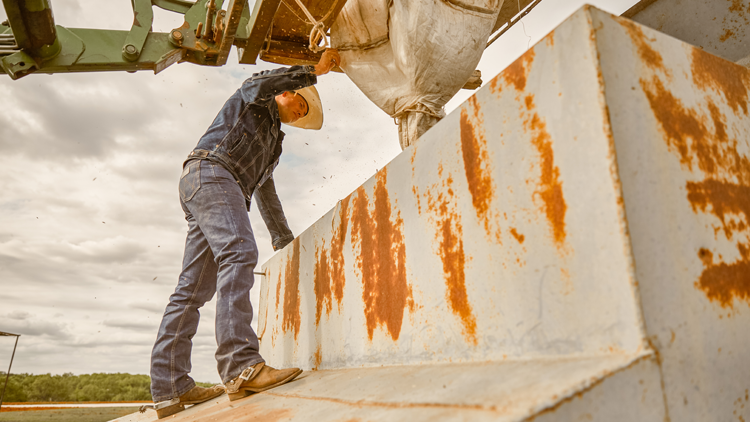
(30, 41)
(277, 31)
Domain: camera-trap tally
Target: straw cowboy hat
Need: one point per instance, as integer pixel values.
(314, 118)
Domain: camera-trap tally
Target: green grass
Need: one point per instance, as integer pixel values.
(91, 414)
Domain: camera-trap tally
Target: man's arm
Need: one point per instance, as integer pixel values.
(269, 83)
(273, 215)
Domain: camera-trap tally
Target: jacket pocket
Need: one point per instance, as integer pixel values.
(190, 180)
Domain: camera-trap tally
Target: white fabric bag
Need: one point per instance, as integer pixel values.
(410, 57)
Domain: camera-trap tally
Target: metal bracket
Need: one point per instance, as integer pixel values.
(234, 10)
(142, 21)
(178, 6)
(19, 64)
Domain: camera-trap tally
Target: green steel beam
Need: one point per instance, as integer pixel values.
(258, 26)
(33, 26)
(43, 47)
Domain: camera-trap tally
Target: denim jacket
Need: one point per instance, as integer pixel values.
(246, 137)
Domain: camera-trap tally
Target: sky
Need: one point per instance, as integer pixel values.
(91, 229)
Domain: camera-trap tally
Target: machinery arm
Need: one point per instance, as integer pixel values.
(31, 42)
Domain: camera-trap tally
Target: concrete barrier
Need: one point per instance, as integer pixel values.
(572, 243)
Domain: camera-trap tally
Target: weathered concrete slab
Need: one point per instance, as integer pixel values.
(489, 391)
(682, 134)
(573, 243)
(502, 234)
(720, 27)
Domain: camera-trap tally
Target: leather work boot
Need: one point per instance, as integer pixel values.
(196, 395)
(257, 378)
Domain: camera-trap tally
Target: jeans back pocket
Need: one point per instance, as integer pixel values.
(190, 180)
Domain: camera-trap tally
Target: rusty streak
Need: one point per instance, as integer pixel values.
(517, 73)
(725, 189)
(322, 283)
(476, 163)
(318, 357)
(648, 55)
(450, 238)
(338, 277)
(291, 292)
(724, 77)
(721, 199)
(519, 237)
(724, 282)
(382, 260)
(550, 186)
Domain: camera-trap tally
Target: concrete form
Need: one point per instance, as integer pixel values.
(720, 27)
(572, 243)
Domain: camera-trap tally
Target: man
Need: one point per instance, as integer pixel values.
(232, 163)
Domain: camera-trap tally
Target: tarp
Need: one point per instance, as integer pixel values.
(411, 57)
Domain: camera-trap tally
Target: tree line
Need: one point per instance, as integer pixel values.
(69, 387)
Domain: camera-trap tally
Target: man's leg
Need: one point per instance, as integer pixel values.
(170, 359)
(220, 211)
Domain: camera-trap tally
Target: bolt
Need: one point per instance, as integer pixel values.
(130, 53)
(176, 37)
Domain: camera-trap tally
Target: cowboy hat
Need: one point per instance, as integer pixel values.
(314, 117)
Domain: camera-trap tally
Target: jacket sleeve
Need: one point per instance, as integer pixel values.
(273, 215)
(267, 84)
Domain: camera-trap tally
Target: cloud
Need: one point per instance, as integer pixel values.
(21, 323)
(132, 325)
(149, 307)
(21, 315)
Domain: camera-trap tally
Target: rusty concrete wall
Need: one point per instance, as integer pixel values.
(571, 244)
(682, 133)
(720, 27)
(500, 235)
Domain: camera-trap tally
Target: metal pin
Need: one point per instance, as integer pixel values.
(198, 30)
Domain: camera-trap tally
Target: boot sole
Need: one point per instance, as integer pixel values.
(179, 407)
(246, 391)
(170, 410)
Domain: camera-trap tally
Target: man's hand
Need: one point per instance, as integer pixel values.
(329, 59)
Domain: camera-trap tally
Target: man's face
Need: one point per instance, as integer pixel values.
(292, 107)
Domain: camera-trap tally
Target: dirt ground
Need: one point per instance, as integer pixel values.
(93, 414)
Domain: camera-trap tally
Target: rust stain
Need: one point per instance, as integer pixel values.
(737, 7)
(451, 248)
(724, 77)
(278, 294)
(519, 237)
(648, 55)
(318, 357)
(550, 187)
(722, 199)
(322, 283)
(728, 33)
(337, 270)
(550, 38)
(330, 276)
(477, 164)
(382, 260)
(724, 282)
(291, 292)
(725, 189)
(678, 123)
(517, 73)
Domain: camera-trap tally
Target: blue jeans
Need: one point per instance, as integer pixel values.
(220, 255)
